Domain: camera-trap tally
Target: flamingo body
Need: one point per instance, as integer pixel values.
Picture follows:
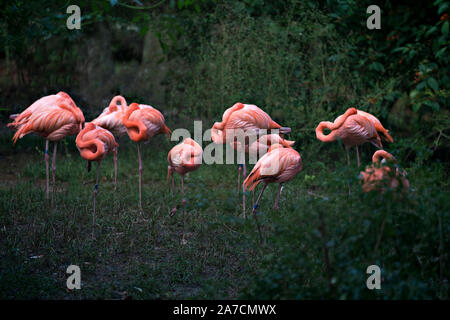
(247, 117)
(376, 123)
(52, 117)
(278, 165)
(143, 122)
(95, 142)
(185, 157)
(112, 117)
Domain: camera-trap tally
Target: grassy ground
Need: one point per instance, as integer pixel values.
(132, 255)
(140, 256)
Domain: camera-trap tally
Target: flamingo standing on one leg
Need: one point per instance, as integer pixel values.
(260, 147)
(279, 165)
(248, 118)
(112, 120)
(52, 117)
(183, 158)
(142, 123)
(379, 177)
(353, 129)
(94, 143)
(384, 133)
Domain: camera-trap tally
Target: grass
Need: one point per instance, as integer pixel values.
(141, 256)
(130, 250)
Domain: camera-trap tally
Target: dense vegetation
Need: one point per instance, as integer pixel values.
(302, 62)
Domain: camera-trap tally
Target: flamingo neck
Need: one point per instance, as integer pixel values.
(217, 134)
(321, 136)
(137, 131)
(376, 158)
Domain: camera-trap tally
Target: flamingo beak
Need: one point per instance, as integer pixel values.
(285, 130)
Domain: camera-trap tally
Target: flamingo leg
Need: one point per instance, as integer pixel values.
(95, 197)
(115, 169)
(357, 155)
(239, 177)
(140, 177)
(183, 240)
(54, 171)
(278, 197)
(348, 156)
(173, 184)
(243, 189)
(47, 157)
(348, 163)
(255, 207)
(253, 197)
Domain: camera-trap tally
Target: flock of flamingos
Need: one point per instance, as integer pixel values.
(57, 116)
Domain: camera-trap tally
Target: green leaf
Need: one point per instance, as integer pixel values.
(433, 105)
(416, 106)
(433, 83)
(444, 28)
(440, 52)
(421, 85)
(413, 94)
(430, 31)
(443, 7)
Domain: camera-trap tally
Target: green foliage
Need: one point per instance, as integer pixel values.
(324, 249)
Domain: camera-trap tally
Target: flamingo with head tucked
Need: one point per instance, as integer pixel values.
(382, 132)
(112, 120)
(379, 176)
(238, 123)
(183, 158)
(279, 165)
(52, 117)
(143, 122)
(94, 143)
(352, 128)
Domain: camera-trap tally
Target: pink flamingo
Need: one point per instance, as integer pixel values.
(279, 165)
(353, 129)
(379, 176)
(143, 122)
(112, 120)
(52, 117)
(94, 143)
(183, 158)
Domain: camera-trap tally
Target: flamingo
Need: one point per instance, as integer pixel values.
(112, 120)
(384, 133)
(52, 117)
(352, 128)
(374, 175)
(142, 123)
(260, 147)
(183, 158)
(279, 165)
(94, 143)
(248, 118)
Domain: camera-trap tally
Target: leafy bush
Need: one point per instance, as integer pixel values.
(324, 249)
